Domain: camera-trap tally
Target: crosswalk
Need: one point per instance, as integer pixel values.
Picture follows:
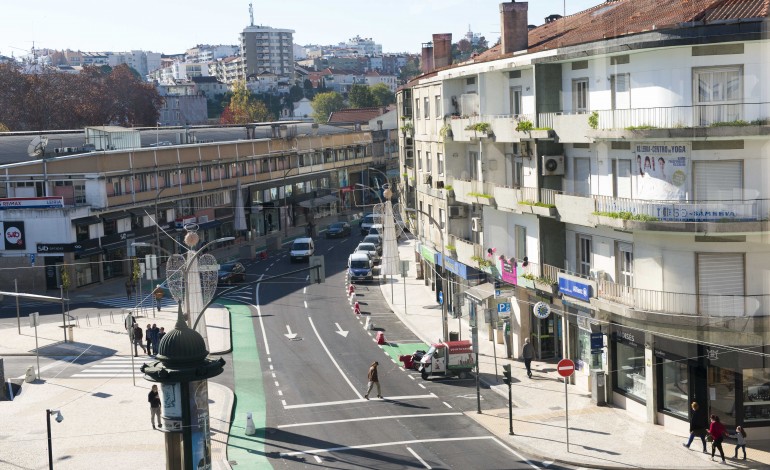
(112, 367)
(123, 303)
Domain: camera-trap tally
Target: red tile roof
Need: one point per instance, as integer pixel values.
(355, 115)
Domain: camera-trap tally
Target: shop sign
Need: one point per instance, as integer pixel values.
(455, 267)
(55, 247)
(575, 287)
(508, 271)
(32, 203)
(542, 310)
(14, 237)
(428, 254)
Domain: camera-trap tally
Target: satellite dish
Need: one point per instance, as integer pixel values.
(36, 148)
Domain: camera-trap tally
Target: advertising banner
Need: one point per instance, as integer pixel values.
(32, 203)
(661, 171)
(14, 237)
(508, 271)
(199, 425)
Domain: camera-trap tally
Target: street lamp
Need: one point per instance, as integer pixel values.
(444, 326)
(59, 418)
(157, 195)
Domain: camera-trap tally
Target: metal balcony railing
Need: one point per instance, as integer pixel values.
(727, 210)
(702, 115)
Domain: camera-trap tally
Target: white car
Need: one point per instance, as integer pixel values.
(370, 249)
(302, 249)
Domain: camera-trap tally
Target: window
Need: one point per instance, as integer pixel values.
(718, 94)
(437, 105)
(721, 284)
(621, 91)
(419, 159)
(440, 159)
(521, 242)
(428, 163)
(580, 95)
(584, 255)
(427, 108)
(515, 103)
(417, 108)
(625, 257)
(756, 392)
(582, 176)
(442, 217)
(718, 180)
(630, 373)
(621, 183)
(475, 165)
(674, 387)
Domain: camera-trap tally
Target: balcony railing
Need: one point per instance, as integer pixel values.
(685, 116)
(728, 210)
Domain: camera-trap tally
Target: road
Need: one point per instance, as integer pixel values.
(312, 355)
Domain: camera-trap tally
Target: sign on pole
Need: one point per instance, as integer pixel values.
(504, 307)
(565, 368)
(404, 267)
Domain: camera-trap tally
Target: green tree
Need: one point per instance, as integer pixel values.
(360, 96)
(326, 103)
(307, 85)
(243, 108)
(409, 70)
(296, 93)
(382, 95)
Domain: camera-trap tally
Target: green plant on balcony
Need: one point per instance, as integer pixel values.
(625, 215)
(483, 263)
(537, 204)
(643, 127)
(483, 127)
(593, 120)
(446, 131)
(449, 187)
(529, 276)
(736, 123)
(451, 248)
(405, 175)
(407, 128)
(524, 126)
(760, 122)
(485, 196)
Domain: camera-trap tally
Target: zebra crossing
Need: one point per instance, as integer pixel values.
(112, 367)
(124, 303)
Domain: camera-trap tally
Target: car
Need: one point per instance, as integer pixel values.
(231, 272)
(302, 249)
(339, 229)
(360, 267)
(368, 221)
(376, 239)
(376, 229)
(370, 249)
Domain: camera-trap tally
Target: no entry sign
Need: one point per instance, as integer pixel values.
(565, 367)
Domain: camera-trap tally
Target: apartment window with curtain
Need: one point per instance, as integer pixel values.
(584, 253)
(428, 162)
(515, 97)
(718, 94)
(521, 242)
(417, 108)
(580, 95)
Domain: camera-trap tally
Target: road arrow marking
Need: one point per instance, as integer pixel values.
(341, 331)
(290, 335)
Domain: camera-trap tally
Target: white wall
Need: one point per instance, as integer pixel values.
(500, 232)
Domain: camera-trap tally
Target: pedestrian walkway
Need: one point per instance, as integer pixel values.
(124, 303)
(113, 367)
(599, 437)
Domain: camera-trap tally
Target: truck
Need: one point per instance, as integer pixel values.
(448, 358)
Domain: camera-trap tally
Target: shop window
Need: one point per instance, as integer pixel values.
(630, 373)
(673, 385)
(756, 395)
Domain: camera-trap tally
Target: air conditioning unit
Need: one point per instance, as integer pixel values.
(599, 275)
(553, 165)
(408, 141)
(476, 224)
(457, 212)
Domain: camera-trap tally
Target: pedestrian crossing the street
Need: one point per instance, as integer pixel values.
(124, 303)
(112, 367)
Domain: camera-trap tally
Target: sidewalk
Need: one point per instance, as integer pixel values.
(600, 437)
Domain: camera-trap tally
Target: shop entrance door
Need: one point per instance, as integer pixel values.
(547, 336)
(721, 394)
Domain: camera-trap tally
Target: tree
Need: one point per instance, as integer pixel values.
(296, 93)
(360, 97)
(409, 70)
(326, 103)
(307, 85)
(243, 108)
(382, 95)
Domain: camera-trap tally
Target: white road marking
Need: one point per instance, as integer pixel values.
(386, 444)
(421, 385)
(305, 301)
(418, 457)
(352, 420)
(447, 404)
(280, 393)
(304, 290)
(318, 459)
(259, 315)
(273, 372)
(290, 335)
(515, 453)
(307, 278)
(283, 402)
(340, 331)
(361, 400)
(334, 361)
(411, 377)
(276, 384)
(271, 367)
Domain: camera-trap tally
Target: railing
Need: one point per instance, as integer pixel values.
(684, 116)
(548, 196)
(728, 210)
(529, 194)
(716, 305)
(546, 119)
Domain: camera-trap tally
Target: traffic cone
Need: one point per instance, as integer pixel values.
(380, 337)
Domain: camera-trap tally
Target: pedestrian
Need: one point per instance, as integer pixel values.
(158, 293)
(154, 400)
(740, 434)
(128, 289)
(138, 339)
(373, 379)
(717, 432)
(698, 425)
(155, 339)
(148, 338)
(528, 353)
(161, 334)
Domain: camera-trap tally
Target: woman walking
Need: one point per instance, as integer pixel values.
(717, 432)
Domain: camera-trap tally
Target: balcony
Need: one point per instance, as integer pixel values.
(504, 127)
(571, 128)
(474, 192)
(507, 198)
(538, 201)
(467, 251)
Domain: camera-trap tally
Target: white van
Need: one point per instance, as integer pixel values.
(302, 249)
(360, 267)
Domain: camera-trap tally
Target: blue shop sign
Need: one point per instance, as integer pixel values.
(576, 289)
(455, 267)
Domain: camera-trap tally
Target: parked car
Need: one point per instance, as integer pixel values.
(370, 249)
(231, 272)
(360, 267)
(368, 221)
(339, 229)
(376, 239)
(376, 229)
(302, 249)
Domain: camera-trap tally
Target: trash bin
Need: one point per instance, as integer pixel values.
(69, 334)
(598, 388)
(454, 336)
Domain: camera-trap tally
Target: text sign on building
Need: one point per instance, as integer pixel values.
(13, 236)
(576, 287)
(32, 203)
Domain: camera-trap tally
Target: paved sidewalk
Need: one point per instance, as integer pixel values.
(600, 437)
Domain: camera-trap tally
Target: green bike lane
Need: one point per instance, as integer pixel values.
(247, 451)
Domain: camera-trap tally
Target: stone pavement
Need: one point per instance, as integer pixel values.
(599, 437)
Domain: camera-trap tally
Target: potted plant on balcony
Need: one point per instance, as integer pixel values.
(450, 191)
(546, 284)
(526, 280)
(446, 131)
(407, 128)
(483, 198)
(451, 250)
(483, 128)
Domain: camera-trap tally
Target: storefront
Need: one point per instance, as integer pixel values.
(459, 277)
(629, 373)
(430, 270)
(547, 334)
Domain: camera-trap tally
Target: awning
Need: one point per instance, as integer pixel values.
(207, 225)
(481, 292)
(115, 216)
(89, 220)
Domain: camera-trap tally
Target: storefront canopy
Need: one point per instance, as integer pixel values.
(481, 292)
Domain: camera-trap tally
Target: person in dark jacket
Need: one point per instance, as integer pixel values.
(373, 379)
(698, 425)
(717, 432)
(154, 398)
(155, 338)
(148, 338)
(528, 353)
(138, 339)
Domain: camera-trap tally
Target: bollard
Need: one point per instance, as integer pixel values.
(29, 377)
(70, 334)
(357, 308)
(99, 317)
(352, 298)
(250, 429)
(380, 337)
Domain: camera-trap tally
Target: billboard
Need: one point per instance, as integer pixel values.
(661, 171)
(14, 237)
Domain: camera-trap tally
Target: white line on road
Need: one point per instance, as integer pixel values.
(447, 404)
(318, 459)
(284, 402)
(304, 290)
(276, 384)
(418, 457)
(368, 418)
(362, 400)
(259, 315)
(334, 361)
(385, 444)
(280, 393)
(305, 301)
(515, 453)
(421, 385)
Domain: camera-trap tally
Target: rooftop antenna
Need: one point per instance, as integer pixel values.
(251, 13)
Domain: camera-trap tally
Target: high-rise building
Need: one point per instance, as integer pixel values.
(266, 49)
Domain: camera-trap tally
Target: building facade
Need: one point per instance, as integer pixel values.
(612, 181)
(266, 49)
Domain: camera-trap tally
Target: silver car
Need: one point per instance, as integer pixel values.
(370, 249)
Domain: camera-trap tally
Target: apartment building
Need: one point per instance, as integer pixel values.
(86, 209)
(608, 171)
(266, 49)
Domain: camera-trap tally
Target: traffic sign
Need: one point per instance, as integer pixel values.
(441, 298)
(565, 367)
(504, 307)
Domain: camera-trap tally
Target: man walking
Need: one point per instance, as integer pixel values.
(148, 337)
(137, 336)
(158, 294)
(154, 400)
(373, 379)
(528, 353)
(155, 338)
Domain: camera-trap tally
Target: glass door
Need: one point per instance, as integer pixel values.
(721, 394)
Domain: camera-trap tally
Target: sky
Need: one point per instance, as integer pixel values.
(172, 26)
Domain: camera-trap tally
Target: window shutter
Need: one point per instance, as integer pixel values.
(719, 180)
(721, 285)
